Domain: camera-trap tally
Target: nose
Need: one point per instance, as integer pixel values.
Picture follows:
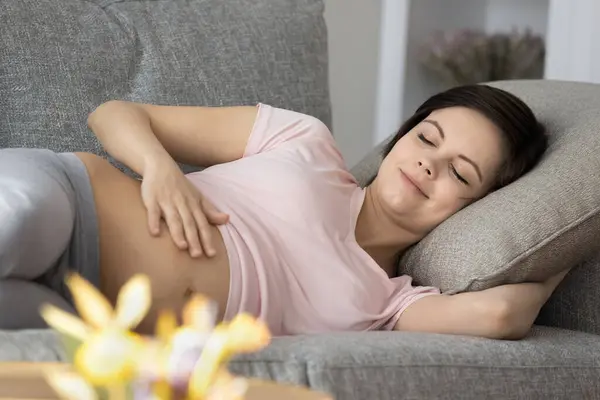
(427, 168)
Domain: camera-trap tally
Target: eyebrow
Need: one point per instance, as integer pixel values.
(461, 156)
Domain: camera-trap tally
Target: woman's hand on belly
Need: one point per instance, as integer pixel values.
(128, 248)
(169, 195)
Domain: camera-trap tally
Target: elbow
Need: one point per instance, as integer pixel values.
(98, 113)
(93, 117)
(505, 323)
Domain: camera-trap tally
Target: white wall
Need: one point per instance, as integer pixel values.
(427, 16)
(573, 52)
(395, 17)
(353, 27)
(375, 83)
(503, 15)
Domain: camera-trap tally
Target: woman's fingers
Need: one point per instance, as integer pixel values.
(173, 220)
(205, 232)
(191, 230)
(153, 217)
(213, 215)
(189, 222)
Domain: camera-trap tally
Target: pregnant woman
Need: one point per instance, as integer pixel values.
(275, 225)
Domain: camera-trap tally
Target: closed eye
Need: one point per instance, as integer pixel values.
(457, 175)
(453, 170)
(423, 139)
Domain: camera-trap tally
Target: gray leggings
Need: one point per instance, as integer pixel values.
(47, 227)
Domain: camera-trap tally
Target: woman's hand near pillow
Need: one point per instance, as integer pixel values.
(502, 312)
(520, 304)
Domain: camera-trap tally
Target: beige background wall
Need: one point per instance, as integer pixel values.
(353, 48)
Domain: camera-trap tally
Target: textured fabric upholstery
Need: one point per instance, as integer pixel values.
(549, 364)
(61, 59)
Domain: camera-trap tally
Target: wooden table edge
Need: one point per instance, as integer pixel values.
(35, 370)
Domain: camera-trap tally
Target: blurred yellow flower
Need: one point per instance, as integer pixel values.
(192, 357)
(187, 341)
(109, 349)
(226, 387)
(244, 334)
(70, 386)
(171, 356)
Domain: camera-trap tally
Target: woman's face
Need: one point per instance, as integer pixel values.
(444, 163)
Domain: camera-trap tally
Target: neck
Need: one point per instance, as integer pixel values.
(381, 236)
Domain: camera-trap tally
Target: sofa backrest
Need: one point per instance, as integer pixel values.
(59, 59)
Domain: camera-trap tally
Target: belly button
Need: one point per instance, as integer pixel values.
(189, 292)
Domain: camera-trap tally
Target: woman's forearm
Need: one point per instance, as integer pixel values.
(125, 131)
(462, 314)
(503, 312)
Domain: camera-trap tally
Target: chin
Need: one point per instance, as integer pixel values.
(399, 204)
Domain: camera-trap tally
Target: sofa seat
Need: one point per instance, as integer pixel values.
(550, 363)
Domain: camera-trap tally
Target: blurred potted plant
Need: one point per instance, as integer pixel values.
(472, 56)
(112, 362)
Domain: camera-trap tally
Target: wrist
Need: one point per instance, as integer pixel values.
(156, 160)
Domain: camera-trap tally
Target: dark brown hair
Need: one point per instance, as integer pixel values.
(524, 136)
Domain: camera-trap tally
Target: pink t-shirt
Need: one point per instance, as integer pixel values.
(294, 259)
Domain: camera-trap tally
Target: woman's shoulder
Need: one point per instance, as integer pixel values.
(278, 127)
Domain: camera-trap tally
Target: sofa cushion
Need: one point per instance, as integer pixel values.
(541, 224)
(34, 345)
(575, 304)
(550, 363)
(61, 59)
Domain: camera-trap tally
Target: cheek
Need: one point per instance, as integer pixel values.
(388, 169)
(403, 148)
(450, 198)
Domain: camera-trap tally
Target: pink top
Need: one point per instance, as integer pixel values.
(294, 260)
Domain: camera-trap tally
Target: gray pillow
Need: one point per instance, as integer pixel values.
(545, 222)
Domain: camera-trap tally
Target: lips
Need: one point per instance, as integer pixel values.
(414, 183)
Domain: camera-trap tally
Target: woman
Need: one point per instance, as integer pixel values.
(276, 225)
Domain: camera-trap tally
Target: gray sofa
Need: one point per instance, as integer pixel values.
(59, 59)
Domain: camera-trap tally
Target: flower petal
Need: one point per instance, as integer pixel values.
(215, 354)
(166, 325)
(243, 334)
(93, 307)
(133, 302)
(162, 390)
(227, 386)
(109, 357)
(64, 322)
(222, 386)
(247, 334)
(70, 386)
(200, 313)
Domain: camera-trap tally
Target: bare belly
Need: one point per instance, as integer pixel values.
(127, 248)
